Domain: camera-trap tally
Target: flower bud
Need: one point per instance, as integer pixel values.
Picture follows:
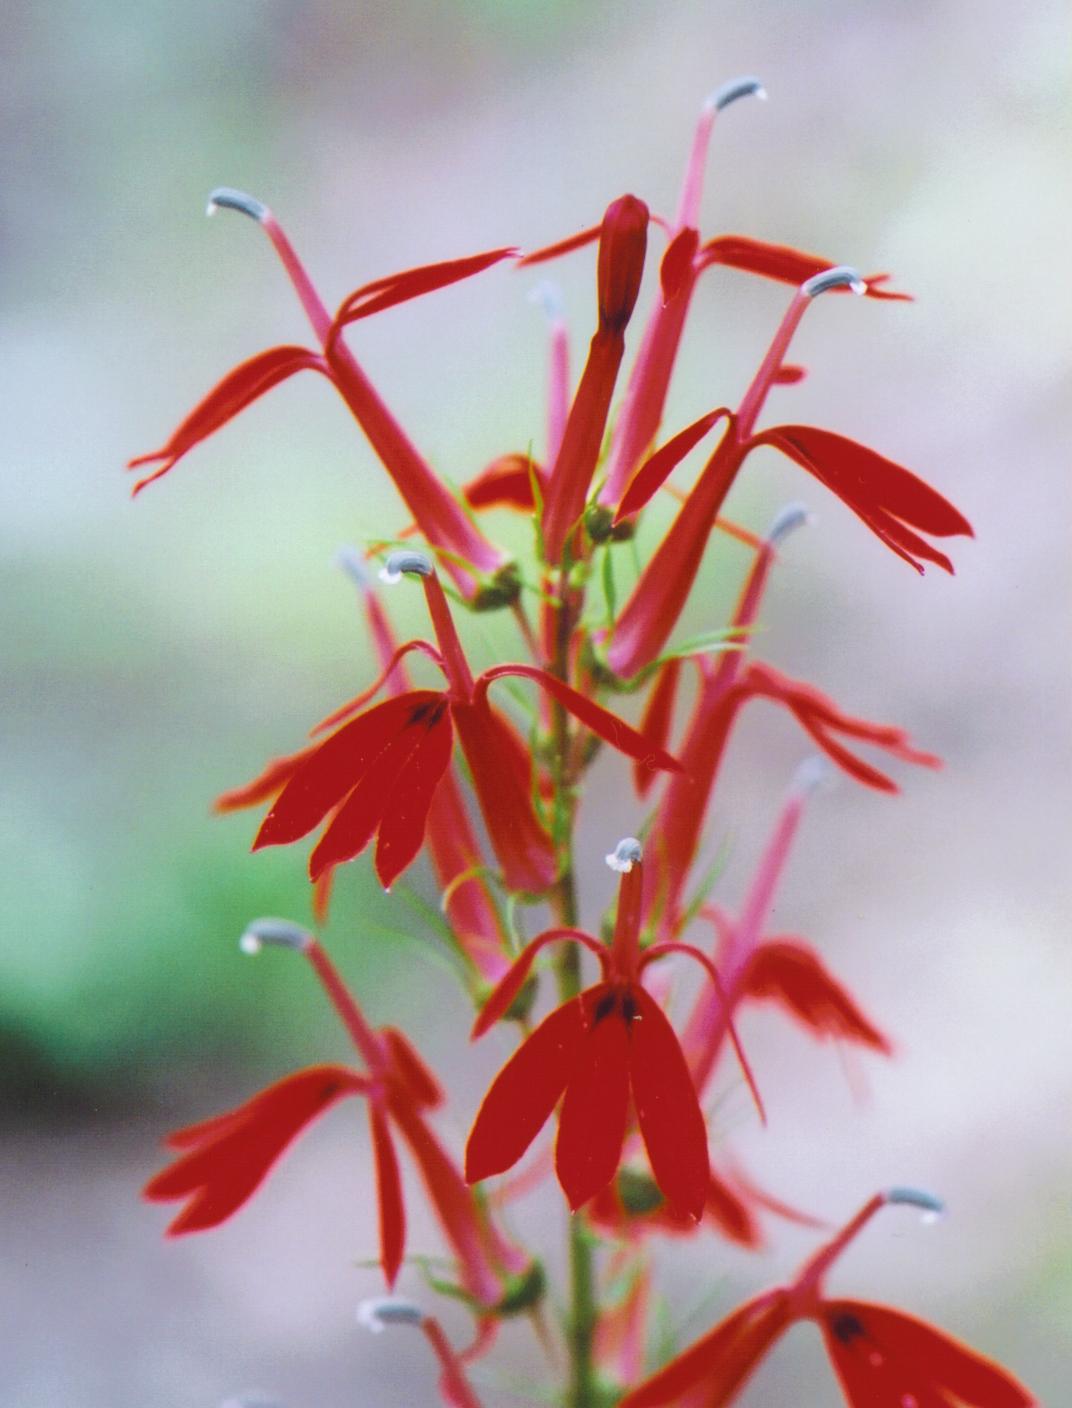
(623, 242)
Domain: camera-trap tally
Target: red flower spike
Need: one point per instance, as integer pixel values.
(780, 262)
(387, 292)
(227, 1158)
(883, 1358)
(889, 499)
(441, 519)
(622, 246)
(596, 1050)
(242, 386)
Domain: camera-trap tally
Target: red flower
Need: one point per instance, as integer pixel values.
(223, 1161)
(478, 569)
(895, 504)
(881, 1356)
(606, 1047)
(378, 773)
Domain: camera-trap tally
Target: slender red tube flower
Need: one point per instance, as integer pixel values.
(454, 1388)
(889, 499)
(479, 569)
(883, 1358)
(597, 1052)
(223, 1161)
(377, 774)
(783, 970)
(622, 245)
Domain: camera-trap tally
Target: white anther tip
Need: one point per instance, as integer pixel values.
(403, 562)
(625, 855)
(380, 1311)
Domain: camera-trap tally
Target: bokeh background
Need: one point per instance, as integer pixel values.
(158, 652)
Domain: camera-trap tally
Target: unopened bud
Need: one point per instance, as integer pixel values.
(227, 198)
(625, 855)
(623, 242)
(403, 562)
(274, 933)
(841, 276)
(380, 1311)
(734, 89)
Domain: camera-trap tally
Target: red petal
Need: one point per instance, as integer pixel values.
(511, 983)
(591, 1127)
(415, 1076)
(241, 386)
(409, 800)
(657, 719)
(676, 266)
(789, 972)
(608, 726)
(878, 490)
(337, 765)
(779, 261)
(524, 1093)
(347, 710)
(731, 1214)
(266, 784)
(566, 246)
(392, 1210)
(231, 1155)
(654, 472)
(668, 1111)
(505, 483)
(719, 1363)
(384, 293)
(876, 1348)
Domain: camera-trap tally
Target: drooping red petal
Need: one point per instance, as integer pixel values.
(511, 983)
(392, 1211)
(668, 1111)
(591, 1127)
(727, 1209)
(524, 1093)
(405, 816)
(385, 292)
(781, 262)
(602, 722)
(238, 389)
(229, 1156)
(352, 706)
(265, 785)
(720, 1362)
(657, 719)
(505, 483)
(655, 470)
(881, 1354)
(337, 765)
(501, 769)
(890, 499)
(791, 973)
(408, 1068)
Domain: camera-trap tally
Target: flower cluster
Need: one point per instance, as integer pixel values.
(624, 1072)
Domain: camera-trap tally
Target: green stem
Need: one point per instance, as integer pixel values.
(583, 1310)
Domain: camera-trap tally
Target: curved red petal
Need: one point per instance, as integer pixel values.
(505, 483)
(781, 262)
(668, 1110)
(512, 981)
(268, 783)
(392, 289)
(566, 246)
(392, 1211)
(524, 1093)
(335, 766)
(657, 468)
(718, 1364)
(408, 1067)
(791, 973)
(591, 1127)
(676, 266)
(657, 719)
(410, 798)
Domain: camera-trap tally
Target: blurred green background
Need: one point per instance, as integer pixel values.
(159, 652)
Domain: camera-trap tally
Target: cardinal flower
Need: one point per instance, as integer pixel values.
(377, 773)
(479, 570)
(221, 1162)
(880, 1356)
(892, 501)
(599, 1051)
